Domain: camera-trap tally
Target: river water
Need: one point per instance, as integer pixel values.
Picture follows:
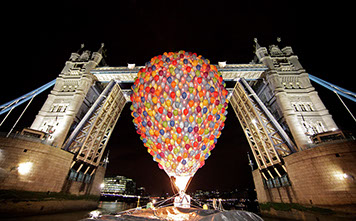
(104, 206)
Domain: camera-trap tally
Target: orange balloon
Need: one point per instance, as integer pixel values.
(173, 84)
(191, 103)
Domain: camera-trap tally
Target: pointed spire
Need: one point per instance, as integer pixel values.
(101, 49)
(81, 47)
(257, 45)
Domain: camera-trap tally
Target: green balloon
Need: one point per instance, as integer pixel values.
(199, 120)
(164, 124)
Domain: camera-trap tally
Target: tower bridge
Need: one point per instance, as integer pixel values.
(279, 111)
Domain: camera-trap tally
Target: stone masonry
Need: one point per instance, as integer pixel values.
(323, 175)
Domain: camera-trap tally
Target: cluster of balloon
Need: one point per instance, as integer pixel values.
(179, 104)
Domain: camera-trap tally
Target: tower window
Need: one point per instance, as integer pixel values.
(302, 107)
(53, 108)
(310, 108)
(295, 107)
(59, 108)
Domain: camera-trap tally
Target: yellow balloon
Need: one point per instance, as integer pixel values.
(174, 136)
(191, 118)
(168, 102)
(205, 102)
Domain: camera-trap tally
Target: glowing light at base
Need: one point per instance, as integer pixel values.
(181, 182)
(179, 104)
(25, 168)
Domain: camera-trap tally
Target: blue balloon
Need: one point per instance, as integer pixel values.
(143, 99)
(198, 67)
(161, 100)
(184, 162)
(205, 109)
(184, 95)
(145, 113)
(135, 114)
(185, 61)
(217, 116)
(144, 140)
(203, 147)
(161, 131)
(172, 123)
(153, 67)
(212, 89)
(159, 140)
(168, 60)
(190, 129)
(144, 123)
(169, 79)
(206, 156)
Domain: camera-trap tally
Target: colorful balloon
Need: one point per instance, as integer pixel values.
(178, 105)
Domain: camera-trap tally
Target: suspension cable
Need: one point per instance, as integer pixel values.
(345, 106)
(28, 104)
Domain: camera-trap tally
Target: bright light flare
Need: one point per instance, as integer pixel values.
(94, 214)
(181, 182)
(25, 168)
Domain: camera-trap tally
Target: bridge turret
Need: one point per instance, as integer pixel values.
(75, 90)
(290, 96)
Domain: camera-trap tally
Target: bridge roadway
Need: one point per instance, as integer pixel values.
(230, 72)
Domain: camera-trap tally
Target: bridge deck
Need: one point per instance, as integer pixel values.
(230, 72)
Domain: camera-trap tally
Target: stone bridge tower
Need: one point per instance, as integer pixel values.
(73, 94)
(289, 95)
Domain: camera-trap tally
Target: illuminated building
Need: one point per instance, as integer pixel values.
(119, 185)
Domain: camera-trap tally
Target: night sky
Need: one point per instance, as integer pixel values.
(38, 39)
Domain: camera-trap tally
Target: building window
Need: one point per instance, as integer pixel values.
(87, 178)
(72, 174)
(80, 177)
(302, 107)
(310, 108)
(295, 107)
(59, 108)
(53, 108)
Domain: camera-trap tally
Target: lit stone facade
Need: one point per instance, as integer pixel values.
(73, 94)
(288, 93)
